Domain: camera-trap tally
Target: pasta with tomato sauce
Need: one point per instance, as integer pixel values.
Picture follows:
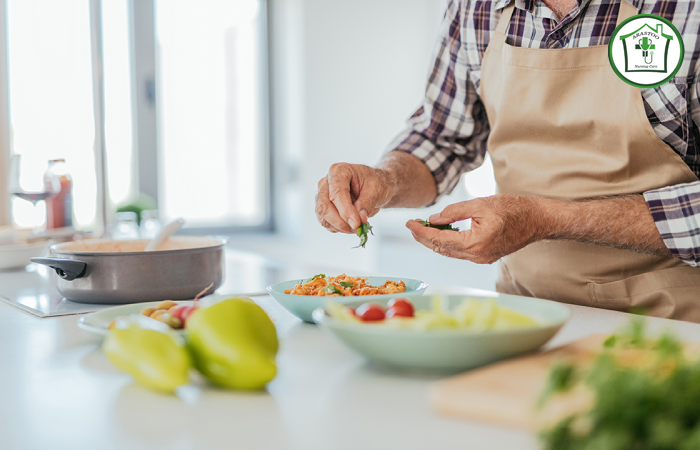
(344, 286)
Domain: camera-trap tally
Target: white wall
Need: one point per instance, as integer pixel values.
(345, 77)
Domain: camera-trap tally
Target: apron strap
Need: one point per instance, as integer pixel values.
(626, 11)
(504, 21)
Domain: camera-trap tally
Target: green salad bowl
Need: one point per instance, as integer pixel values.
(447, 349)
(303, 305)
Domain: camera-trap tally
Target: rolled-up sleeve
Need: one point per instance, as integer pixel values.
(449, 130)
(676, 209)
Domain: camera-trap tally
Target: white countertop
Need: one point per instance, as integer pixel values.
(58, 391)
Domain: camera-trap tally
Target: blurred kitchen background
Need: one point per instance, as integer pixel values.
(223, 112)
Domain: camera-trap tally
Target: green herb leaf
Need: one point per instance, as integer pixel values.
(320, 275)
(347, 283)
(362, 233)
(448, 226)
(610, 341)
(561, 379)
(332, 289)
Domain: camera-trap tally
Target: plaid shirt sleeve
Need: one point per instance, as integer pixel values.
(449, 130)
(676, 209)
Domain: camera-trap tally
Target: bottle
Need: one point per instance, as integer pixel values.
(125, 227)
(59, 208)
(150, 224)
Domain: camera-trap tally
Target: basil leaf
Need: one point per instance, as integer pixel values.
(347, 284)
(362, 233)
(320, 275)
(331, 289)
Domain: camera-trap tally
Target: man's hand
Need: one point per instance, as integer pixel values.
(501, 224)
(350, 194)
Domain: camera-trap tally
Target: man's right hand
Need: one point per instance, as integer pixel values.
(350, 194)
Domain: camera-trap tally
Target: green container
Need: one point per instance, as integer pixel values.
(448, 350)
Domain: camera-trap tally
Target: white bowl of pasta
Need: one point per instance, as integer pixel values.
(301, 297)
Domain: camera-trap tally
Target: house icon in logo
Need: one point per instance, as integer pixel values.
(646, 50)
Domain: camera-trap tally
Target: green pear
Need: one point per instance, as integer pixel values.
(233, 343)
(156, 359)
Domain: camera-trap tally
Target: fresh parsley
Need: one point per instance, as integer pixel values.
(448, 226)
(648, 402)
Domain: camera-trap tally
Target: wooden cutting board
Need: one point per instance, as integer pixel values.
(506, 393)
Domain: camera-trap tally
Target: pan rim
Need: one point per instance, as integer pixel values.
(221, 243)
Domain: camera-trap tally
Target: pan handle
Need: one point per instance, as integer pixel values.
(68, 269)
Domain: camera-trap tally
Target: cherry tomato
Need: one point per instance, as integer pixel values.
(188, 312)
(399, 307)
(177, 311)
(369, 312)
(183, 312)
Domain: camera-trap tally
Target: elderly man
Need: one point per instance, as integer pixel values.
(599, 196)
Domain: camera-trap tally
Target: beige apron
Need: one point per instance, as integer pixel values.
(564, 126)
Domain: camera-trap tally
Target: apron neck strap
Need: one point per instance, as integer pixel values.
(504, 21)
(626, 11)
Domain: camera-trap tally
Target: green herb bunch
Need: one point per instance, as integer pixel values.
(650, 404)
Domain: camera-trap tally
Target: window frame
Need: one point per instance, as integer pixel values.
(142, 46)
(5, 217)
(145, 90)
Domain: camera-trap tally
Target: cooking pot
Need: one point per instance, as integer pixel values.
(110, 271)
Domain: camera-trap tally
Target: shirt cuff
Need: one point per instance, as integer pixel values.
(444, 164)
(676, 212)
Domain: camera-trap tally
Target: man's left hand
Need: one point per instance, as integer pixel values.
(501, 225)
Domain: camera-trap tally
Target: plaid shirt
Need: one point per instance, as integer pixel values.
(450, 129)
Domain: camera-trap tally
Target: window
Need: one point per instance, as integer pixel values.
(208, 148)
(211, 104)
(50, 95)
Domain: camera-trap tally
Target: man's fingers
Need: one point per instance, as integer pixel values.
(440, 238)
(446, 242)
(456, 212)
(354, 193)
(340, 177)
(421, 230)
(327, 213)
(367, 202)
(327, 225)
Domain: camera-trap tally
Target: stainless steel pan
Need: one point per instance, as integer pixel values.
(107, 271)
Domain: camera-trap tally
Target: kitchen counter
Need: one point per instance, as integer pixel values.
(58, 391)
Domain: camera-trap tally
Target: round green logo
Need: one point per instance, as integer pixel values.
(646, 51)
